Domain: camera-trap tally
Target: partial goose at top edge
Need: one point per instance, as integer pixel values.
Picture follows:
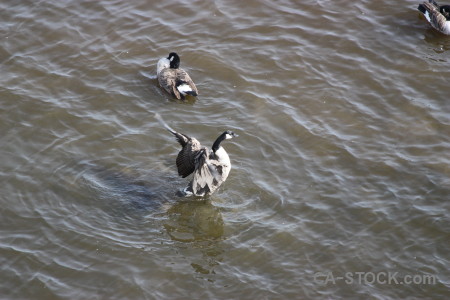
(437, 15)
(173, 79)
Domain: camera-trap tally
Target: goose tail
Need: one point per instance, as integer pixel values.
(426, 8)
(184, 88)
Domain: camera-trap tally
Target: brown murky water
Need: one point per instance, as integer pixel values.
(341, 170)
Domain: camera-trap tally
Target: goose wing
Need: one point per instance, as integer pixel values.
(434, 16)
(174, 79)
(206, 176)
(189, 155)
(183, 76)
(167, 79)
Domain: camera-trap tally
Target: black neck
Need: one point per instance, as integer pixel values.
(219, 140)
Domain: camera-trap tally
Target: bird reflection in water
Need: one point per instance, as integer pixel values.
(194, 224)
(197, 227)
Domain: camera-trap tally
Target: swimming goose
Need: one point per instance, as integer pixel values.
(437, 15)
(210, 167)
(173, 79)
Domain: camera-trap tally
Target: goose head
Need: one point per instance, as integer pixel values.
(174, 60)
(226, 135)
(229, 134)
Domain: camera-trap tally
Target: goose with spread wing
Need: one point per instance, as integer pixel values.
(173, 79)
(210, 167)
(437, 15)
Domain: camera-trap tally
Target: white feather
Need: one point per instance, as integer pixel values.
(186, 192)
(427, 16)
(184, 88)
(447, 27)
(163, 63)
(223, 157)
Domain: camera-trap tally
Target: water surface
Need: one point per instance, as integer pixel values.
(342, 164)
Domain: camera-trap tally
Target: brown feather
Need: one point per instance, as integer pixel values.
(437, 19)
(187, 157)
(167, 80)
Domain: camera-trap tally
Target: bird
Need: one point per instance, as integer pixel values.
(173, 79)
(210, 167)
(437, 15)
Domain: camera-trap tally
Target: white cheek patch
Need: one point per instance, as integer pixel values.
(228, 136)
